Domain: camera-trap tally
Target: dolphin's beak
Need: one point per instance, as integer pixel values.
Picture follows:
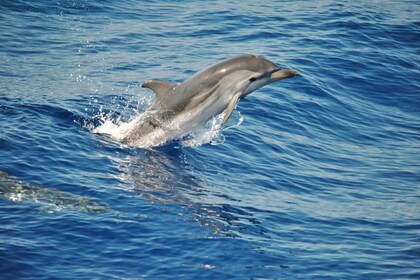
(283, 74)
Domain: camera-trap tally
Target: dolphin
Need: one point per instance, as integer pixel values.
(51, 199)
(181, 108)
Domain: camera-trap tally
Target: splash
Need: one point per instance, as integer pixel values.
(121, 117)
(117, 124)
(212, 132)
(116, 129)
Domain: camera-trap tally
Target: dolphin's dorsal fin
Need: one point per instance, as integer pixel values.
(159, 87)
(231, 107)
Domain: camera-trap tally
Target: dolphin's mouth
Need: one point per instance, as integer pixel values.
(280, 74)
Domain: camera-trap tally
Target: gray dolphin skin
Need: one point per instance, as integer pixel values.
(49, 198)
(181, 108)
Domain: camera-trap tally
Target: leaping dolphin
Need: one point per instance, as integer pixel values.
(181, 108)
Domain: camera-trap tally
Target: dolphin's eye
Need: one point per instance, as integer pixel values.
(252, 79)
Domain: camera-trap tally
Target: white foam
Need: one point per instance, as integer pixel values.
(210, 133)
(118, 127)
(116, 130)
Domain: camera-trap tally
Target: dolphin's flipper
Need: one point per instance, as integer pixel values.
(160, 88)
(231, 107)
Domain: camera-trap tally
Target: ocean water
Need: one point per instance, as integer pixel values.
(314, 177)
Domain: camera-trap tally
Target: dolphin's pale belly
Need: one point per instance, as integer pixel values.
(157, 129)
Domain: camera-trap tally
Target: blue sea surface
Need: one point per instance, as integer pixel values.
(321, 180)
